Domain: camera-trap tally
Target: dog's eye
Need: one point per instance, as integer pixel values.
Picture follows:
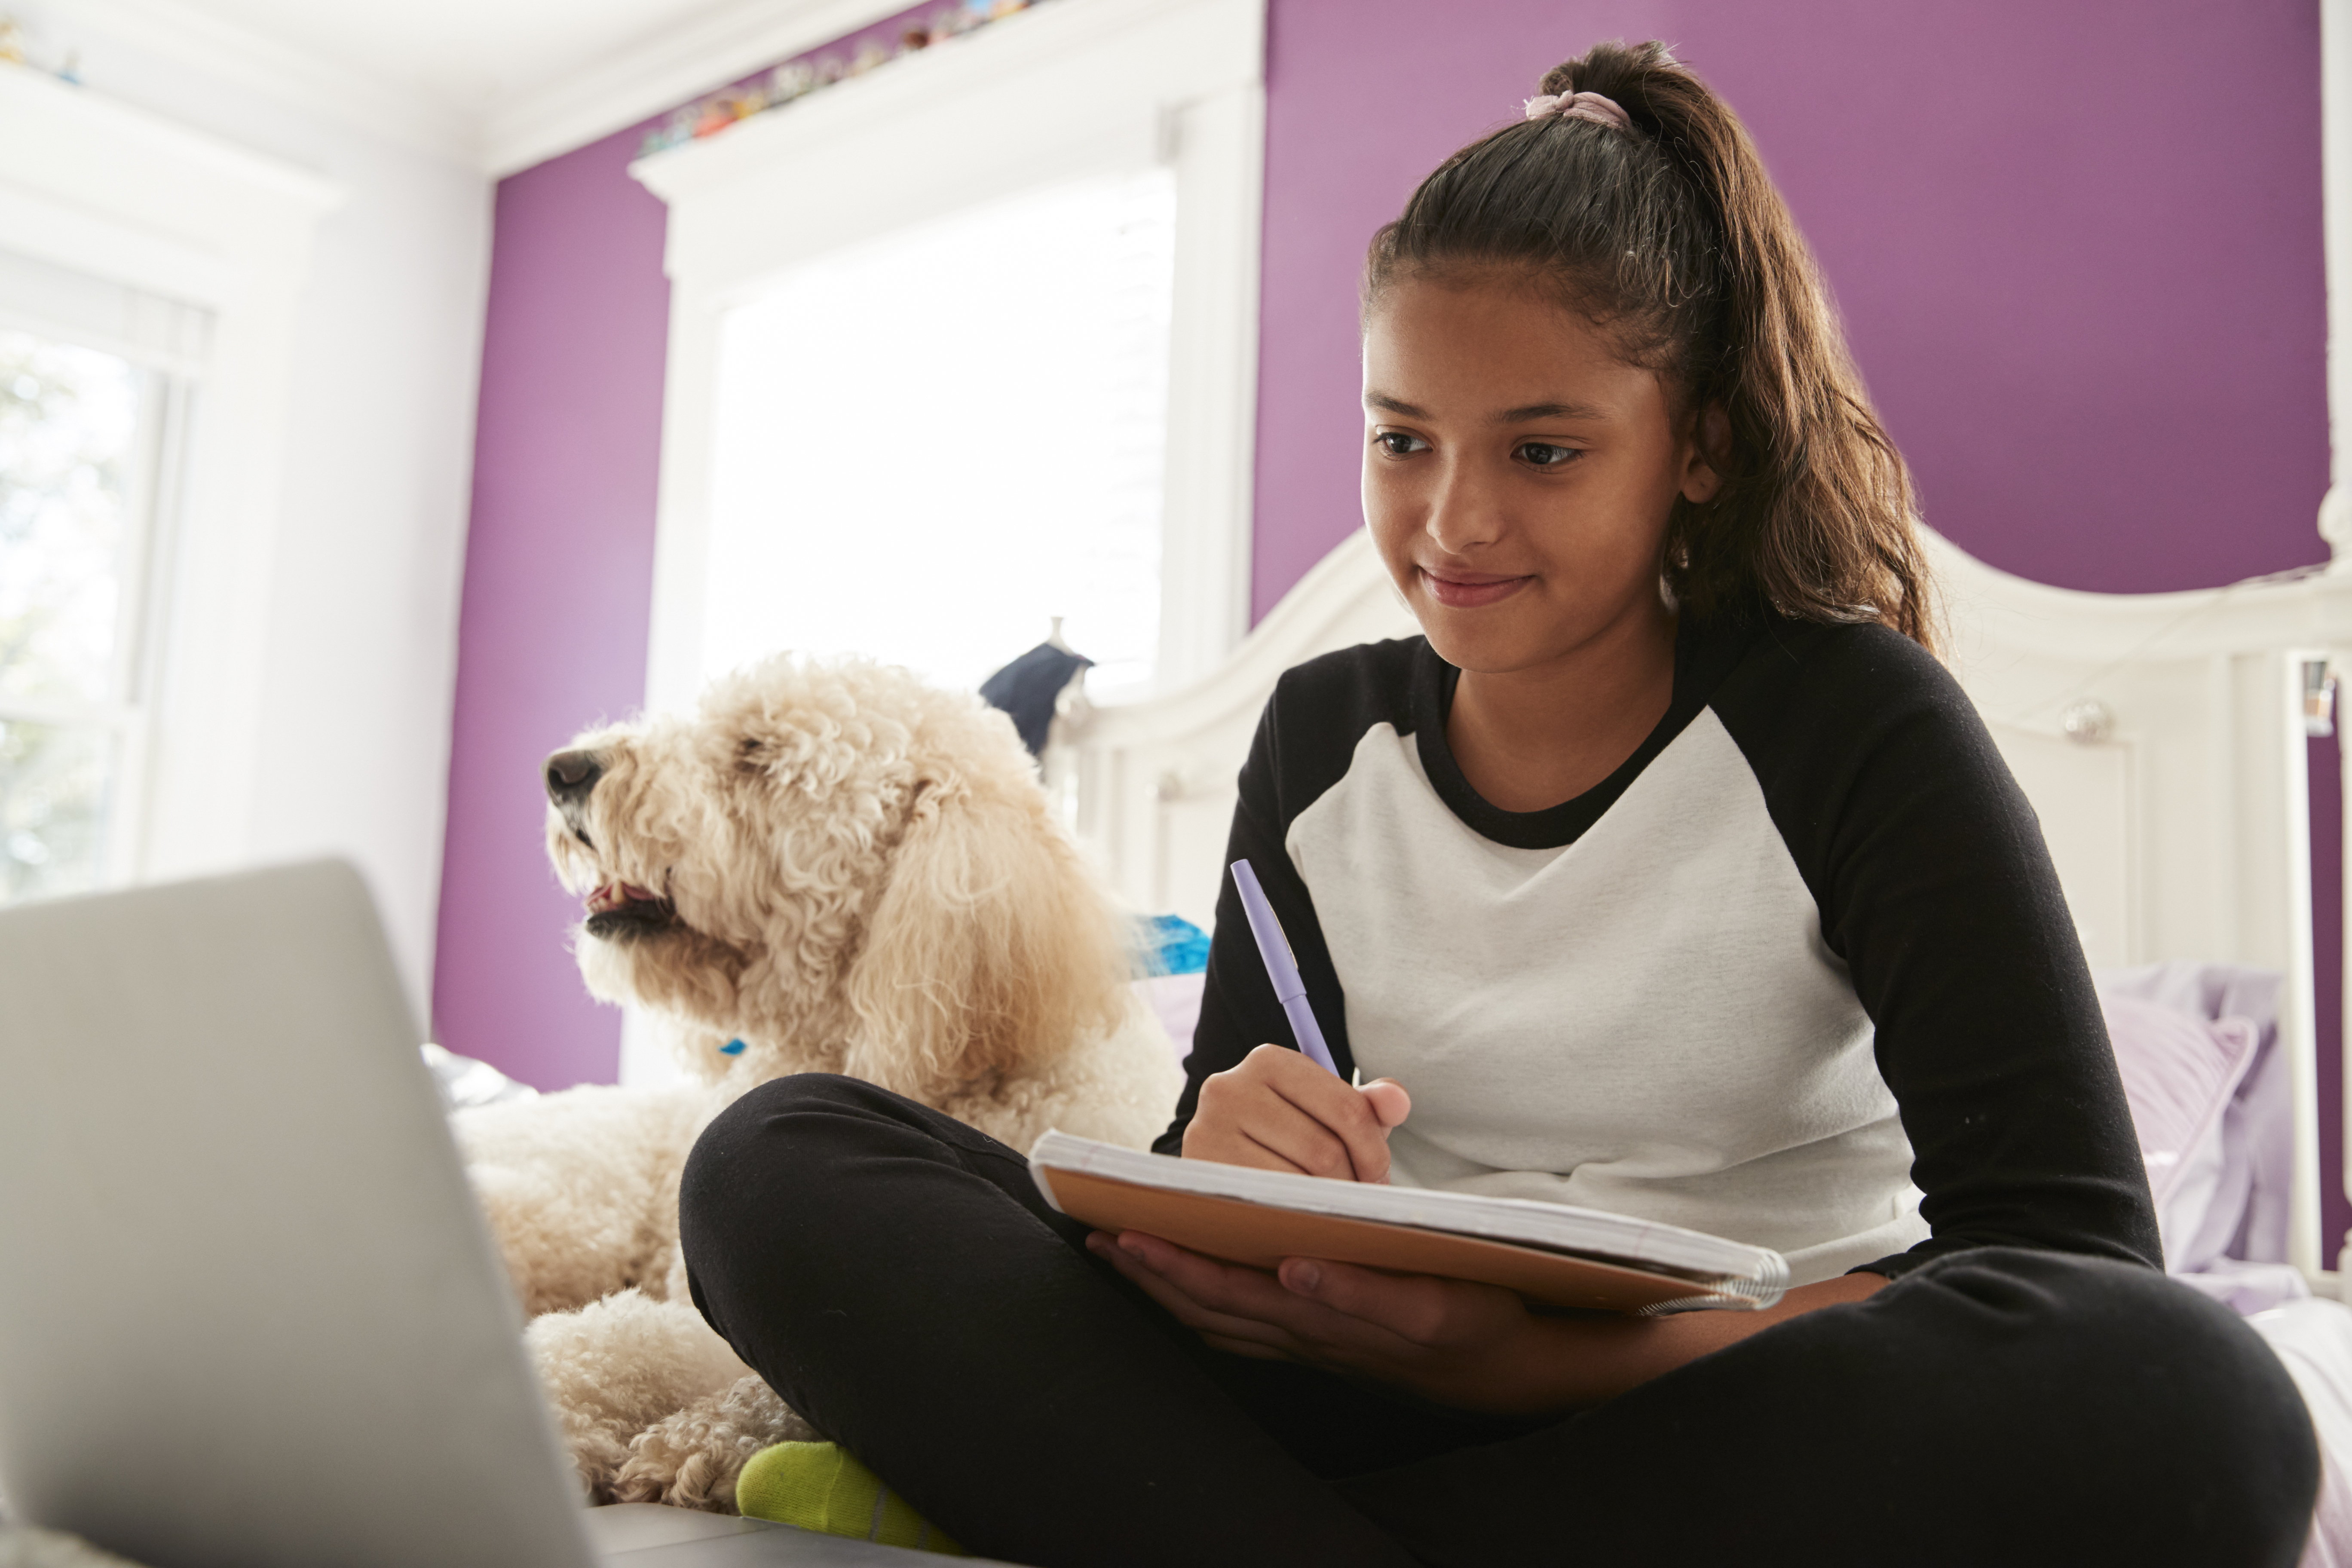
(751, 757)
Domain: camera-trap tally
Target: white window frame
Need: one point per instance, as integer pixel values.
(169, 382)
(1061, 92)
(98, 187)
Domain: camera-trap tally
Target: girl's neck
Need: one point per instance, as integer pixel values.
(1529, 738)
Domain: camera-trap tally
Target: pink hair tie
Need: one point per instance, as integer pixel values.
(1580, 106)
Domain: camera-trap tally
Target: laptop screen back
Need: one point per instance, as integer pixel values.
(249, 1313)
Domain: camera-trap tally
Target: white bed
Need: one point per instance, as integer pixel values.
(2162, 739)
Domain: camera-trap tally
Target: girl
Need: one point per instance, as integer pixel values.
(1668, 873)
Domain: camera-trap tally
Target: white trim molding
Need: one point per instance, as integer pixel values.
(2335, 204)
(1061, 92)
(100, 188)
(557, 105)
(453, 114)
(256, 60)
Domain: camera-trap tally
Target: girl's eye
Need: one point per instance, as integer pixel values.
(1544, 455)
(1397, 444)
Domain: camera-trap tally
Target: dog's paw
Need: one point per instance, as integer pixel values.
(690, 1459)
(619, 1366)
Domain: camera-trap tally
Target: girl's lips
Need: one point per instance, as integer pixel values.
(1471, 589)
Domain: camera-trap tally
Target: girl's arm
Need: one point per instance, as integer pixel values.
(1935, 888)
(1305, 742)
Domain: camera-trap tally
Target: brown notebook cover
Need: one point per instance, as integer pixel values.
(1261, 1236)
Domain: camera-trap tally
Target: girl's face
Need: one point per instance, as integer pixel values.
(1518, 474)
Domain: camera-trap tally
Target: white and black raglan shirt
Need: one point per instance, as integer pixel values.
(1799, 972)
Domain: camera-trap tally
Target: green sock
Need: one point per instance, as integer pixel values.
(822, 1487)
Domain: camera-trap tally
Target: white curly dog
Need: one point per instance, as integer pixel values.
(830, 867)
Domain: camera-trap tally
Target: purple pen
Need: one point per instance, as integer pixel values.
(1288, 988)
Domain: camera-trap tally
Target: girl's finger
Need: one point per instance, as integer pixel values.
(1225, 1288)
(1388, 1100)
(1188, 1309)
(1297, 1139)
(1244, 1348)
(1401, 1312)
(1277, 1110)
(1413, 1307)
(1337, 1109)
(1267, 1310)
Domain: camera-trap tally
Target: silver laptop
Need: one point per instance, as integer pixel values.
(249, 1314)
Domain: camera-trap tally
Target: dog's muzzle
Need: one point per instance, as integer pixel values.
(621, 911)
(617, 910)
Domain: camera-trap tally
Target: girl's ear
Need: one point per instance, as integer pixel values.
(1710, 441)
(989, 948)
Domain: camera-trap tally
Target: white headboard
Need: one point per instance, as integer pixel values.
(2160, 738)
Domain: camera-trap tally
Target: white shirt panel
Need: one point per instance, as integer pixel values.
(1544, 1009)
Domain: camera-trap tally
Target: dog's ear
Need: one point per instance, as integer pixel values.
(991, 946)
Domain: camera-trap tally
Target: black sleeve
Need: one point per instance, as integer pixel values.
(1305, 738)
(1936, 890)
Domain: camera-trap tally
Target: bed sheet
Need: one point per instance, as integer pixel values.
(2313, 1338)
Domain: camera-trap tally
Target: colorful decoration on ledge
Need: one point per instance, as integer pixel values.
(17, 49)
(795, 79)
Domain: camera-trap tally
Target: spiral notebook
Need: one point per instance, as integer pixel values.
(1550, 1253)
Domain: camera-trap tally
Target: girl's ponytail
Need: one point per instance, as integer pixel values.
(1669, 235)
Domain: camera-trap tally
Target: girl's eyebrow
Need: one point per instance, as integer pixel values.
(1387, 404)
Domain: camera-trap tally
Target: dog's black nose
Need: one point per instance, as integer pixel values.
(570, 775)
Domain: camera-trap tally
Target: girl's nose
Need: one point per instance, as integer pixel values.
(1463, 515)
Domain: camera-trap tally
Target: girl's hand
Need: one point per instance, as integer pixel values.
(1278, 1112)
(1449, 1341)
(1474, 1347)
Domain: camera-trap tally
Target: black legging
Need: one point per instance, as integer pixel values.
(895, 1276)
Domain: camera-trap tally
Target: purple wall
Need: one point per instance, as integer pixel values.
(2095, 322)
(2088, 301)
(552, 633)
(559, 580)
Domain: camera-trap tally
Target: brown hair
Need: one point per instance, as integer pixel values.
(1671, 237)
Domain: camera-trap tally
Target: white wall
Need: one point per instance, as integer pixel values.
(360, 615)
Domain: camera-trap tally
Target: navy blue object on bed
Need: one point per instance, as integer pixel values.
(1026, 688)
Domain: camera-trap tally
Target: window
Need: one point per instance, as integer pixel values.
(967, 344)
(95, 381)
(927, 446)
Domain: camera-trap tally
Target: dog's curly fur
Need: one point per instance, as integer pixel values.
(847, 871)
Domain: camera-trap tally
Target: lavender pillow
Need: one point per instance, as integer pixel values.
(1175, 1001)
(2180, 1073)
(2258, 1132)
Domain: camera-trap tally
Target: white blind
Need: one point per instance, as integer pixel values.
(928, 444)
(96, 313)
